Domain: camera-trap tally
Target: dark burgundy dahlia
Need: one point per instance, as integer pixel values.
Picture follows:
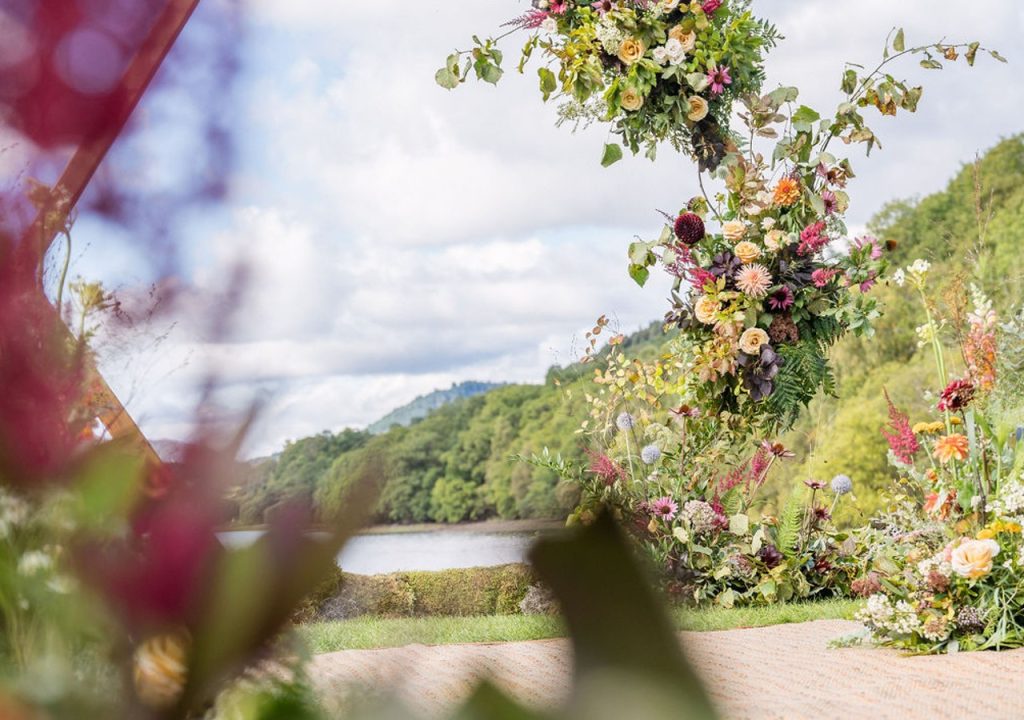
(957, 395)
(769, 555)
(689, 228)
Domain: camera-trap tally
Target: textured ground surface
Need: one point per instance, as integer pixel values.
(785, 671)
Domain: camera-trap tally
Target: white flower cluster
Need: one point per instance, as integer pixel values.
(915, 272)
(672, 52)
(936, 563)
(1010, 500)
(881, 613)
(13, 512)
(609, 35)
(34, 562)
(983, 316)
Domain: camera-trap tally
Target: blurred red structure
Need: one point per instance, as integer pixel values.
(71, 74)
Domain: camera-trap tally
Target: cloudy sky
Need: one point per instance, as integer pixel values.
(398, 237)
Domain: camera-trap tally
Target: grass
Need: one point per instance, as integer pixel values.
(373, 632)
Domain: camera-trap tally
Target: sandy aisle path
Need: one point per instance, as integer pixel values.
(785, 671)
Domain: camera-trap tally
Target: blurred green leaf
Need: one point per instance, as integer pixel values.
(612, 154)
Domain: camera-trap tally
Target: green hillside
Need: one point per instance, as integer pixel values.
(426, 404)
(454, 464)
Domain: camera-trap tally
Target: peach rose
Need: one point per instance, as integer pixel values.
(631, 100)
(706, 309)
(631, 50)
(752, 340)
(734, 230)
(747, 252)
(698, 108)
(687, 39)
(973, 558)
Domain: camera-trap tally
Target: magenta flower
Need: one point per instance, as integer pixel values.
(664, 508)
(718, 76)
(813, 239)
(869, 283)
(601, 6)
(823, 276)
(781, 299)
(699, 278)
(872, 242)
(558, 7)
(829, 198)
(710, 6)
(901, 439)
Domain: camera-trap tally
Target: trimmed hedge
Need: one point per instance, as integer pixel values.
(472, 591)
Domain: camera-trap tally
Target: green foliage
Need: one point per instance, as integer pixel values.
(791, 523)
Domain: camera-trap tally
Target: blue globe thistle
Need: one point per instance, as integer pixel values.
(650, 454)
(842, 484)
(625, 421)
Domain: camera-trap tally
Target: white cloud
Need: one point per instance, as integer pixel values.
(400, 237)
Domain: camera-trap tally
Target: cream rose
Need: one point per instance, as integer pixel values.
(631, 50)
(973, 558)
(706, 309)
(774, 239)
(698, 108)
(687, 39)
(752, 340)
(747, 252)
(734, 230)
(631, 100)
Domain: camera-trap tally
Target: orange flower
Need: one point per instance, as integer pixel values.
(787, 192)
(951, 447)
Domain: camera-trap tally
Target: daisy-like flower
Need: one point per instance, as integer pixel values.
(952, 447)
(899, 277)
(664, 508)
(754, 280)
(787, 192)
(782, 299)
(830, 200)
(718, 77)
(814, 484)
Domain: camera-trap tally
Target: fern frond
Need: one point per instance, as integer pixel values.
(791, 523)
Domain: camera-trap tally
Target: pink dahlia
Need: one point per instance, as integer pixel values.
(718, 76)
(664, 508)
(823, 276)
(753, 280)
(558, 7)
(710, 6)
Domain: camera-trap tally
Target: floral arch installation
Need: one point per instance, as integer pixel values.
(70, 95)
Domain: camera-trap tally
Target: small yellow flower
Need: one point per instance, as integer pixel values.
(631, 50)
(954, 420)
(986, 534)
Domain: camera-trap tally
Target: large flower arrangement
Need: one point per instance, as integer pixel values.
(763, 297)
(657, 70)
(675, 477)
(955, 580)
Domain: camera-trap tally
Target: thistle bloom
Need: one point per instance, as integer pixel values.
(650, 454)
(625, 421)
(952, 447)
(842, 484)
(665, 508)
(718, 77)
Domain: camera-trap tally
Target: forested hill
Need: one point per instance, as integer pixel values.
(426, 404)
(451, 465)
(454, 464)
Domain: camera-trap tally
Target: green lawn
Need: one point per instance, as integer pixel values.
(373, 632)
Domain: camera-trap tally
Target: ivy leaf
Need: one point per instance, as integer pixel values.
(899, 42)
(547, 82)
(612, 154)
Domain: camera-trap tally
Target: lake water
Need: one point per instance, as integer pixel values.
(431, 550)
